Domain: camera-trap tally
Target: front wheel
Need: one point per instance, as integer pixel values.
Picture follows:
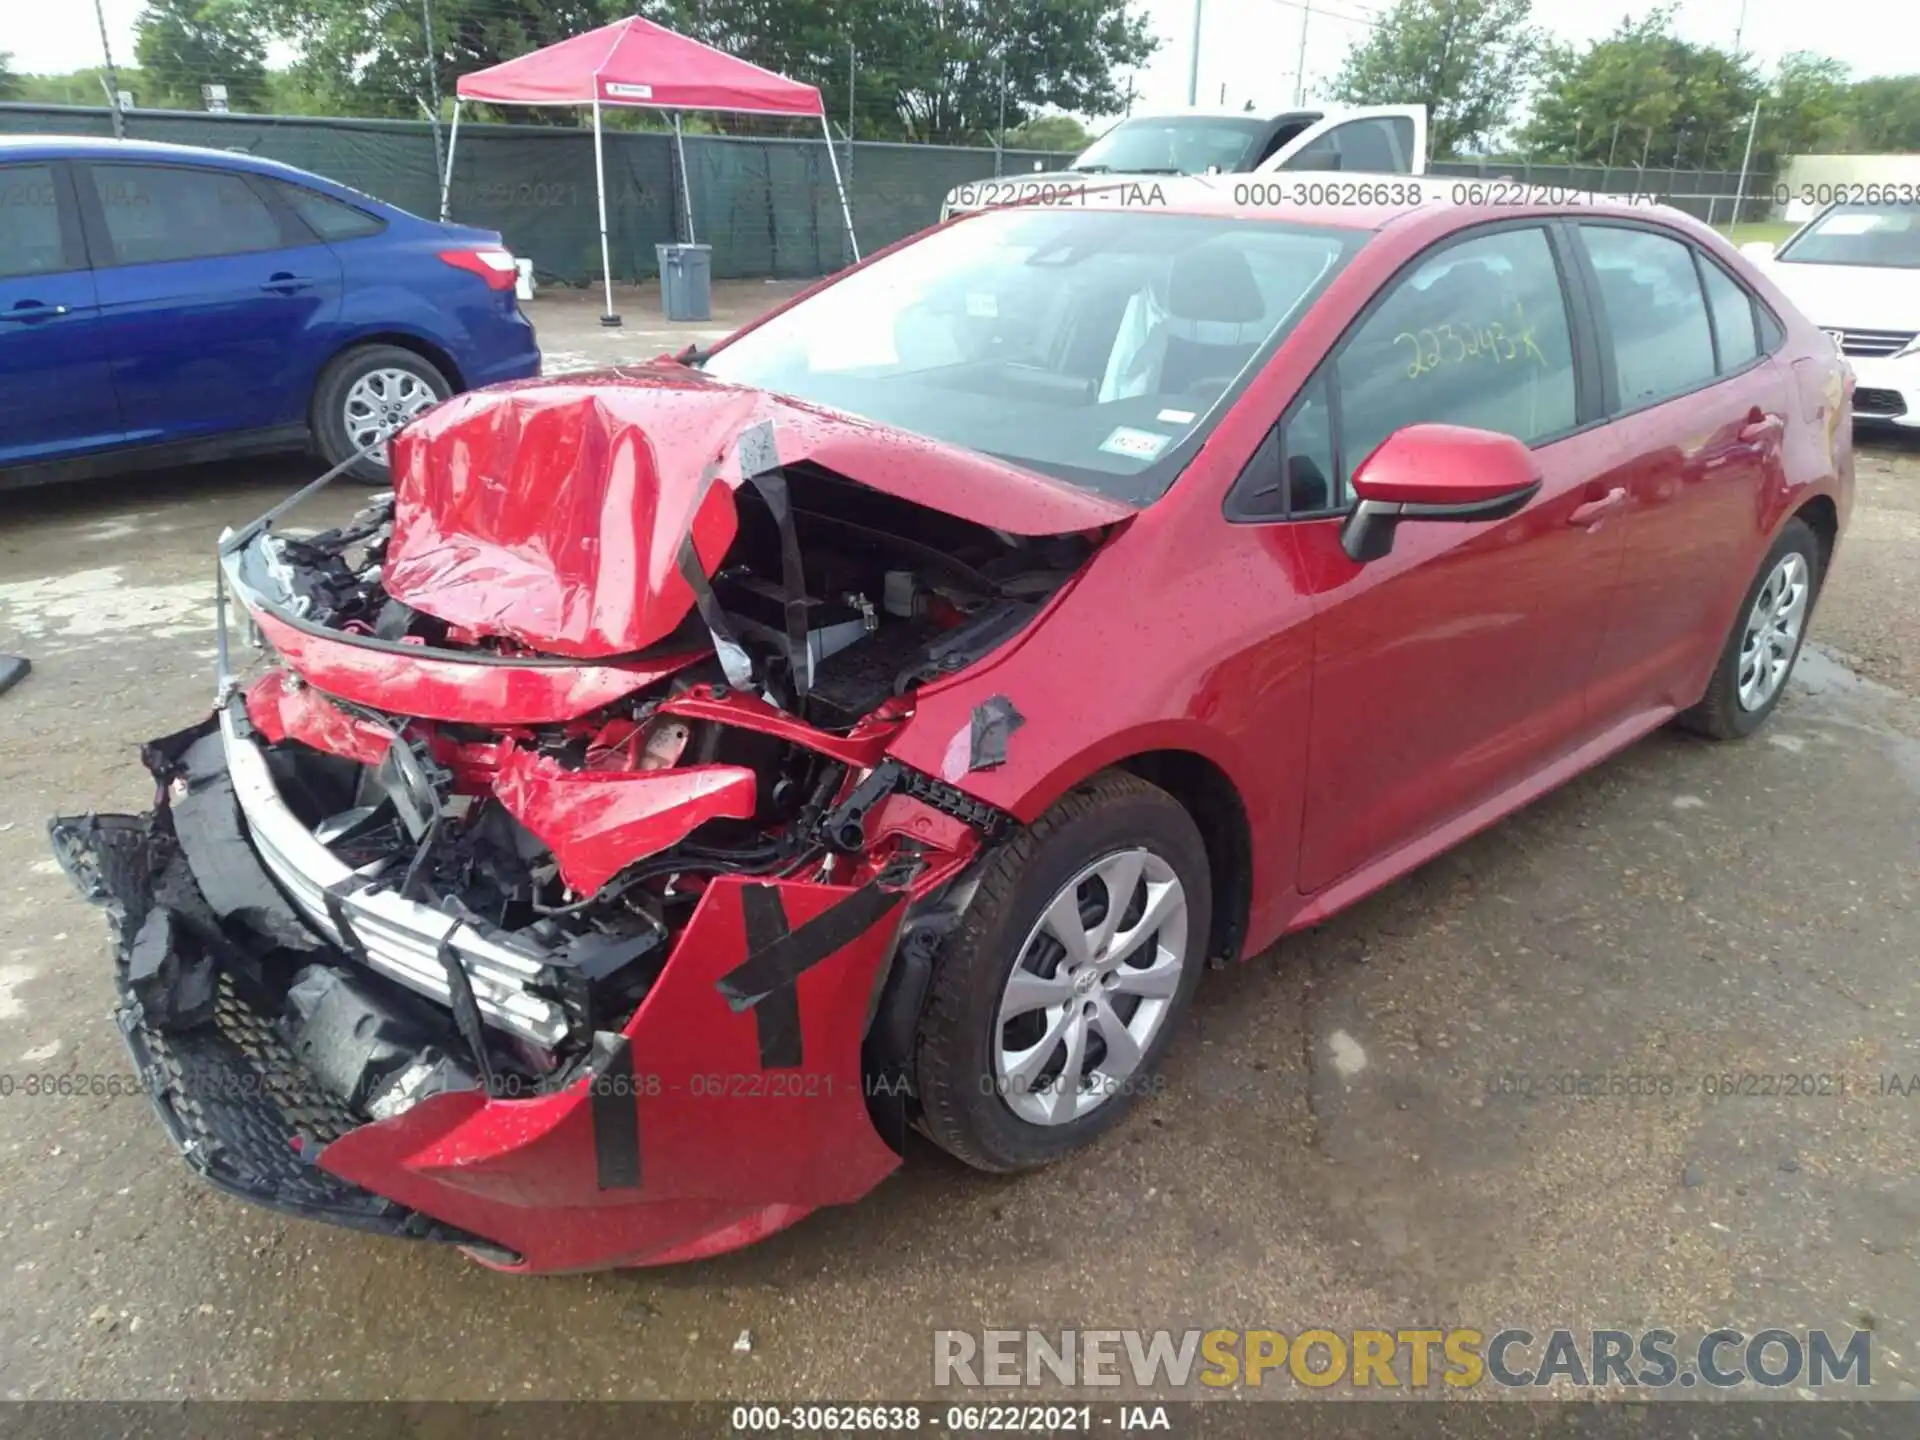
(1765, 641)
(367, 394)
(1053, 1001)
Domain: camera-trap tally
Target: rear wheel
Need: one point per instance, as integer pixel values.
(1765, 641)
(1053, 1002)
(367, 394)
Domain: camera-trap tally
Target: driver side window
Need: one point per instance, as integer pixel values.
(1475, 335)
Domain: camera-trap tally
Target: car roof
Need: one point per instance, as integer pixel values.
(1346, 199)
(102, 147)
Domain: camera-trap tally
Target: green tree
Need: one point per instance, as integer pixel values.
(1806, 109)
(1467, 61)
(184, 44)
(1643, 96)
(944, 71)
(1883, 115)
(373, 57)
(1051, 132)
(9, 82)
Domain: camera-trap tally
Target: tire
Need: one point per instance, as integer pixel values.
(968, 1105)
(337, 388)
(1722, 714)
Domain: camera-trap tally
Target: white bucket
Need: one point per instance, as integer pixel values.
(523, 279)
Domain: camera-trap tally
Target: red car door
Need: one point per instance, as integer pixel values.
(1452, 669)
(1704, 410)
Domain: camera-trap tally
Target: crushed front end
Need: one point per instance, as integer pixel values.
(571, 944)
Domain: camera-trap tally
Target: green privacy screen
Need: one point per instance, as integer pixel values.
(767, 206)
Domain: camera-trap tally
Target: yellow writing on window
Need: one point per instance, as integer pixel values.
(1436, 347)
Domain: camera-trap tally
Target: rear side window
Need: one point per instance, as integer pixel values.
(1656, 314)
(1475, 335)
(30, 242)
(1772, 337)
(1382, 144)
(328, 218)
(155, 213)
(1734, 325)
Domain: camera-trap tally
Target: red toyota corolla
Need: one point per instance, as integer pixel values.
(694, 775)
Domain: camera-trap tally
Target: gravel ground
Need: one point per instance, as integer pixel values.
(1340, 1142)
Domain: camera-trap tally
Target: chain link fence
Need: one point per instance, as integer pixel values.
(766, 205)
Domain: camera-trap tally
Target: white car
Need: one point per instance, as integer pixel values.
(1855, 270)
(1374, 139)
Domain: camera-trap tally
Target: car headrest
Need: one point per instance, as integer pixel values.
(1212, 298)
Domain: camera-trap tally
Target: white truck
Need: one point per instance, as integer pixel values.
(1373, 139)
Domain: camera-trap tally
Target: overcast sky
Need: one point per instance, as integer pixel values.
(1248, 46)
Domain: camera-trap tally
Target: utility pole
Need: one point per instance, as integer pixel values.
(853, 73)
(1739, 26)
(113, 75)
(1300, 70)
(1740, 189)
(1000, 140)
(1193, 60)
(433, 83)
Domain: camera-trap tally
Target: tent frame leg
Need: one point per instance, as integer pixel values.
(609, 320)
(446, 181)
(846, 213)
(686, 185)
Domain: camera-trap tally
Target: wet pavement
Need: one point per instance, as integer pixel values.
(1379, 1123)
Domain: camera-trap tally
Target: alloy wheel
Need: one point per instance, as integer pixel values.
(1773, 631)
(1093, 984)
(379, 403)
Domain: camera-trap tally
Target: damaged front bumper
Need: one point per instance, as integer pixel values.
(255, 1000)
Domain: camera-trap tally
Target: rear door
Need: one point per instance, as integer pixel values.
(209, 287)
(1701, 410)
(1456, 666)
(56, 395)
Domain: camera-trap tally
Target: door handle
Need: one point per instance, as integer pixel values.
(1594, 511)
(1762, 427)
(285, 284)
(32, 312)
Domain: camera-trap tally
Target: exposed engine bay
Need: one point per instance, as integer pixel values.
(756, 779)
(561, 796)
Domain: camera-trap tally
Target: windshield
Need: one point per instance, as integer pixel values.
(1095, 347)
(1176, 145)
(1882, 235)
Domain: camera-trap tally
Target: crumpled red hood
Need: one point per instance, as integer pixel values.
(552, 512)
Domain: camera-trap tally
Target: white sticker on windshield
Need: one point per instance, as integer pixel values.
(1134, 444)
(984, 304)
(1850, 224)
(1175, 417)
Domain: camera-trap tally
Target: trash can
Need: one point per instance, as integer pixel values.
(686, 273)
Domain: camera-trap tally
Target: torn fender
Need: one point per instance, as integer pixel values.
(684, 1140)
(598, 822)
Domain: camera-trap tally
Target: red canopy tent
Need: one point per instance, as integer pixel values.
(634, 62)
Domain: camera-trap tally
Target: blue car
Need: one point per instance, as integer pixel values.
(161, 304)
